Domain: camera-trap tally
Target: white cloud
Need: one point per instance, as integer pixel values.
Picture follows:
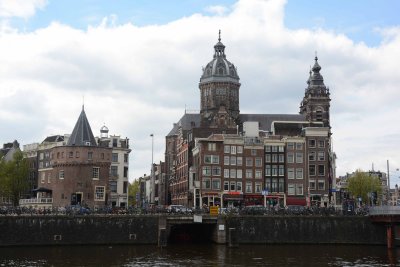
(137, 80)
(20, 8)
(217, 10)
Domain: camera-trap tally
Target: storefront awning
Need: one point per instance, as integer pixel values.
(296, 201)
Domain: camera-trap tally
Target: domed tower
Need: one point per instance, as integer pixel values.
(104, 132)
(219, 89)
(316, 102)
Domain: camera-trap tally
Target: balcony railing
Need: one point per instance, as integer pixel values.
(35, 201)
(384, 210)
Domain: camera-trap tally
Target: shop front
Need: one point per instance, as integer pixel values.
(232, 199)
(275, 199)
(253, 199)
(210, 199)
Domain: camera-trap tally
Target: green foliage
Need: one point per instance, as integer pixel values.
(14, 177)
(133, 189)
(362, 183)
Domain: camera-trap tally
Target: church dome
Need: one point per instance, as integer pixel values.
(219, 68)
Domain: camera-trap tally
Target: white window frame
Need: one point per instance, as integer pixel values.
(99, 193)
(291, 189)
(290, 173)
(96, 173)
(239, 149)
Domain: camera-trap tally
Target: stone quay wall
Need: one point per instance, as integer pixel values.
(307, 230)
(145, 229)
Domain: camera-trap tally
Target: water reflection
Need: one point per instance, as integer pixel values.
(201, 255)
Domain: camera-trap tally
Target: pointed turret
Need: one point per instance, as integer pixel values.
(82, 134)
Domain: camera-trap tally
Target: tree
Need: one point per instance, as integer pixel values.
(14, 177)
(133, 190)
(362, 184)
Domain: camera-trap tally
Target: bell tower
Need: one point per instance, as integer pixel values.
(219, 91)
(316, 102)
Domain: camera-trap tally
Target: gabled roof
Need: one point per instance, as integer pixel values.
(82, 134)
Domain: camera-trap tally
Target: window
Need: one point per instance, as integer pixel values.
(311, 143)
(281, 158)
(299, 190)
(290, 173)
(299, 157)
(299, 173)
(77, 154)
(212, 146)
(281, 148)
(233, 186)
(249, 162)
(274, 187)
(274, 158)
(226, 173)
(267, 157)
(95, 172)
(226, 186)
(233, 160)
(49, 178)
(90, 155)
(290, 157)
(321, 170)
(227, 149)
(268, 170)
(102, 155)
(321, 143)
(281, 185)
(312, 184)
(239, 149)
(226, 160)
(318, 114)
(206, 183)
(126, 157)
(268, 149)
(99, 193)
(239, 186)
(211, 159)
(249, 187)
(274, 148)
(291, 189)
(115, 142)
(125, 188)
(233, 173)
(206, 170)
(258, 188)
(254, 152)
(258, 162)
(258, 174)
(321, 155)
(71, 154)
(233, 149)
(216, 184)
(41, 156)
(311, 170)
(290, 146)
(216, 171)
(249, 173)
(321, 185)
(274, 170)
(114, 171)
(239, 161)
(61, 174)
(239, 174)
(113, 186)
(126, 172)
(299, 146)
(281, 170)
(311, 156)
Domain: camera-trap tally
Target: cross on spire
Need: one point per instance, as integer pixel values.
(219, 36)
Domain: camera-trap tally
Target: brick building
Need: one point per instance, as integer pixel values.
(286, 157)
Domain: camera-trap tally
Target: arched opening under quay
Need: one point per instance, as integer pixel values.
(191, 233)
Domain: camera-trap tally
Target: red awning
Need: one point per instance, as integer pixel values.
(253, 196)
(296, 201)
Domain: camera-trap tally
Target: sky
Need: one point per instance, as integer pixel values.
(136, 66)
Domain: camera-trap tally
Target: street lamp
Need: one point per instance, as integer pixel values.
(152, 169)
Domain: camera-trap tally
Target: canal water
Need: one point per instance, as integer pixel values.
(200, 255)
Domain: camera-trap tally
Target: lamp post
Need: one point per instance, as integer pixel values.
(152, 170)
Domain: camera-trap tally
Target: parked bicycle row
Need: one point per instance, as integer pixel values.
(182, 210)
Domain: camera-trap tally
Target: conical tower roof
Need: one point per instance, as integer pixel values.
(82, 134)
